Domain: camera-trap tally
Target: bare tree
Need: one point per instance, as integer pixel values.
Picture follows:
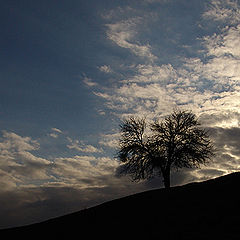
(176, 142)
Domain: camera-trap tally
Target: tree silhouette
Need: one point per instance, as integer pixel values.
(178, 141)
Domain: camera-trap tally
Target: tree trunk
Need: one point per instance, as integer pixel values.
(166, 178)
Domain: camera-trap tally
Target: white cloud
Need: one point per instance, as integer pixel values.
(206, 82)
(101, 112)
(19, 167)
(123, 34)
(84, 171)
(203, 87)
(15, 143)
(81, 147)
(224, 44)
(110, 140)
(151, 73)
(30, 167)
(224, 53)
(53, 135)
(105, 69)
(89, 82)
(207, 85)
(223, 10)
(56, 130)
(17, 164)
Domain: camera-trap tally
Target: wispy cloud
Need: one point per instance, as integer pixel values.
(15, 143)
(82, 147)
(88, 81)
(123, 33)
(110, 140)
(18, 165)
(208, 83)
(223, 10)
(105, 69)
(55, 132)
(84, 171)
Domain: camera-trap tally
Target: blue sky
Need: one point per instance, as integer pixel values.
(72, 70)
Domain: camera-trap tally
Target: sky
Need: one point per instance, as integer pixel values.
(71, 70)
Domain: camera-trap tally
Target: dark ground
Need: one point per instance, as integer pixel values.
(206, 210)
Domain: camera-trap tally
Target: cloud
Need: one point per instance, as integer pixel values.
(110, 140)
(33, 189)
(123, 34)
(224, 53)
(8, 181)
(15, 143)
(101, 112)
(224, 44)
(18, 165)
(211, 81)
(89, 82)
(105, 69)
(223, 11)
(81, 147)
(55, 132)
(30, 167)
(226, 141)
(205, 81)
(84, 171)
(53, 135)
(34, 204)
(152, 73)
(82, 181)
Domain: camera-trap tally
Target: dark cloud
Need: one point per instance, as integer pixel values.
(75, 183)
(227, 139)
(221, 118)
(28, 205)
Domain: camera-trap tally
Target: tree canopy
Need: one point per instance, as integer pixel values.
(178, 141)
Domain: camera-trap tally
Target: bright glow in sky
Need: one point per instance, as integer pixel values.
(71, 70)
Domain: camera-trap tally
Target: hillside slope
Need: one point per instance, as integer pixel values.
(206, 210)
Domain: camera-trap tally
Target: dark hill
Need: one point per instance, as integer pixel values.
(206, 210)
